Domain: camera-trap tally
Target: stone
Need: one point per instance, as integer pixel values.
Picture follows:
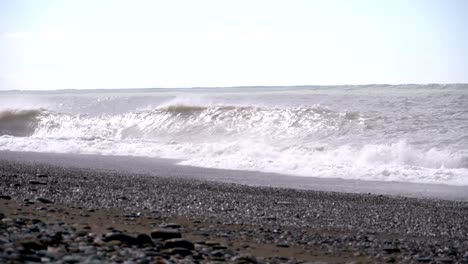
(179, 242)
(217, 253)
(5, 197)
(123, 238)
(170, 225)
(211, 243)
(44, 200)
(31, 245)
(424, 259)
(164, 233)
(32, 182)
(283, 245)
(445, 260)
(244, 259)
(144, 239)
(390, 250)
(284, 203)
(179, 251)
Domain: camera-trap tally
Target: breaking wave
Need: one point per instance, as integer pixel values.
(191, 122)
(303, 140)
(19, 123)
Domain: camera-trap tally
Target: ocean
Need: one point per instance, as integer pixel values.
(402, 133)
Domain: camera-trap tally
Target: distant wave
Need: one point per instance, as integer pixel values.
(182, 121)
(19, 123)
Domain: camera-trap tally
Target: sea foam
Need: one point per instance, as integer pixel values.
(385, 137)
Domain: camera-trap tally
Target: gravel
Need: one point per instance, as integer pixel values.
(254, 224)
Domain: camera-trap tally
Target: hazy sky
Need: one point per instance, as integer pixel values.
(59, 44)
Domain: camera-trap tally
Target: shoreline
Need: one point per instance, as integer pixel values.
(169, 168)
(268, 224)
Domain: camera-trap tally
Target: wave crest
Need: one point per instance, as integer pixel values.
(19, 123)
(195, 122)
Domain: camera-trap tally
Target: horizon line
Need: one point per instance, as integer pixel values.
(239, 86)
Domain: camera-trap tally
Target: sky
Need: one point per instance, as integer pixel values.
(74, 44)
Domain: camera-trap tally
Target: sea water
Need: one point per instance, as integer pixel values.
(408, 133)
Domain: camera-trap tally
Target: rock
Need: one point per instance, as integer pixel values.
(283, 245)
(244, 259)
(179, 251)
(284, 203)
(32, 182)
(28, 259)
(36, 221)
(44, 200)
(164, 233)
(390, 250)
(144, 239)
(218, 253)
(31, 245)
(179, 242)
(424, 259)
(170, 225)
(7, 220)
(123, 238)
(211, 243)
(445, 260)
(5, 197)
(216, 247)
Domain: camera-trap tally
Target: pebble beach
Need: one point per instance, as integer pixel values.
(78, 215)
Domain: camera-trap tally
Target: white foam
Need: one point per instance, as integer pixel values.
(388, 162)
(303, 140)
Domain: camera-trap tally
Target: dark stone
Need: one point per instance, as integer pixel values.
(284, 203)
(445, 260)
(144, 239)
(179, 242)
(55, 239)
(41, 175)
(217, 253)
(37, 182)
(283, 245)
(28, 258)
(424, 259)
(179, 251)
(44, 200)
(126, 239)
(36, 221)
(5, 197)
(30, 245)
(169, 225)
(164, 233)
(390, 250)
(216, 247)
(244, 260)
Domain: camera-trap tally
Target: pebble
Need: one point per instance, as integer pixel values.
(44, 200)
(170, 225)
(33, 182)
(333, 224)
(122, 238)
(179, 243)
(165, 233)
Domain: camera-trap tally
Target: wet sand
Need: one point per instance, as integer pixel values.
(89, 199)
